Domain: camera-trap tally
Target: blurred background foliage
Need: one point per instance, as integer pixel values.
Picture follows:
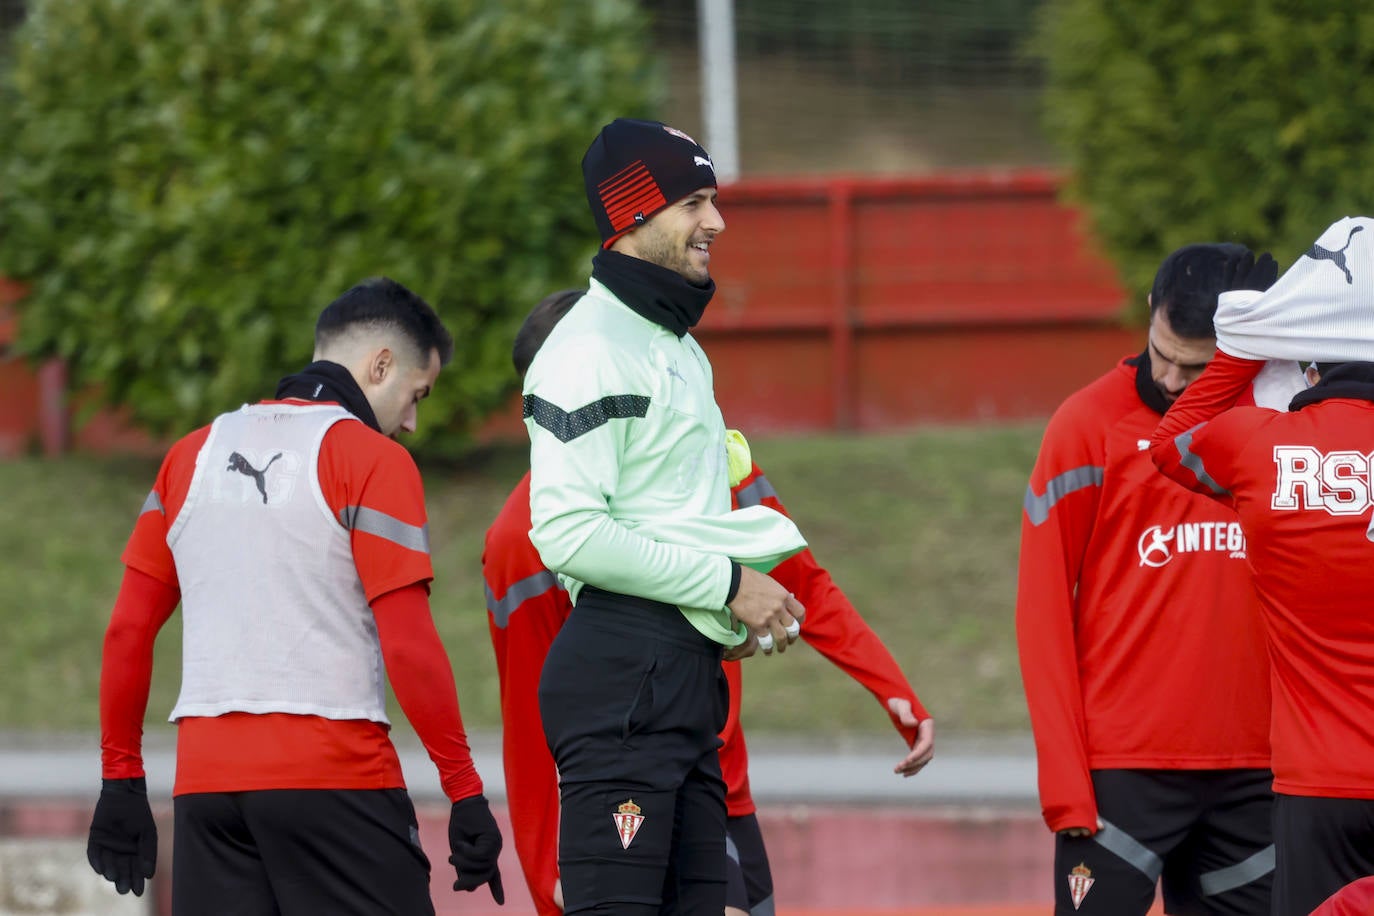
(213, 173)
(1221, 121)
(185, 201)
(187, 198)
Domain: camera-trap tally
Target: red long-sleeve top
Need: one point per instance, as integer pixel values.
(525, 610)
(1138, 630)
(1301, 482)
(1355, 899)
(244, 751)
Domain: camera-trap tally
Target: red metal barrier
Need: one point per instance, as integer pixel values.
(22, 409)
(860, 303)
(855, 303)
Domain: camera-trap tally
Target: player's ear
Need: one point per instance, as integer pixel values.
(382, 363)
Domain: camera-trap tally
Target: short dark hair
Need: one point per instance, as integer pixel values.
(538, 324)
(378, 303)
(1187, 284)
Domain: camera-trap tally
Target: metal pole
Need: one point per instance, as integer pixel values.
(719, 93)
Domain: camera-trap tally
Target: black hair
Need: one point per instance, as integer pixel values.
(1187, 284)
(538, 324)
(379, 303)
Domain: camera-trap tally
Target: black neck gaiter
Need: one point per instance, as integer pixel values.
(1347, 380)
(661, 295)
(1145, 386)
(326, 381)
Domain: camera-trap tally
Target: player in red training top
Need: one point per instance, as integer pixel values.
(526, 608)
(1300, 482)
(1355, 899)
(1141, 650)
(293, 534)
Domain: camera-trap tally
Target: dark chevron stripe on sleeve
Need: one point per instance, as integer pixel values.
(568, 426)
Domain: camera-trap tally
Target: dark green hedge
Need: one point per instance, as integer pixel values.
(1225, 120)
(185, 183)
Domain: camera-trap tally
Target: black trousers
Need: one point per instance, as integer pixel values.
(298, 852)
(749, 883)
(1323, 845)
(1204, 835)
(632, 699)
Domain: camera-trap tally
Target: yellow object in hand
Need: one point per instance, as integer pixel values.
(738, 461)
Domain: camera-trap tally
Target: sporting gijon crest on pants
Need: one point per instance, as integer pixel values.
(1080, 882)
(628, 819)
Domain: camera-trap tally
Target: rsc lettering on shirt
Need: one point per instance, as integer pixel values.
(1338, 482)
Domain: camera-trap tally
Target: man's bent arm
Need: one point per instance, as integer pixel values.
(835, 629)
(1172, 446)
(583, 410)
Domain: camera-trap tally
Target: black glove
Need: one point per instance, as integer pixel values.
(475, 842)
(123, 841)
(1246, 272)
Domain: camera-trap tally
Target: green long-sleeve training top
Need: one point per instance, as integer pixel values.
(628, 487)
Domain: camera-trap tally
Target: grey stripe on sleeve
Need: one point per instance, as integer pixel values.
(755, 493)
(1193, 461)
(1238, 875)
(361, 518)
(1038, 507)
(152, 504)
(1116, 840)
(529, 587)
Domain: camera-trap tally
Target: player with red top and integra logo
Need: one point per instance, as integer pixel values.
(1299, 480)
(1141, 651)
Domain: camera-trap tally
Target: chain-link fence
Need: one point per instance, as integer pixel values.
(865, 87)
(870, 86)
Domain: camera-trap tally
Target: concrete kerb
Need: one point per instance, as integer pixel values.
(978, 771)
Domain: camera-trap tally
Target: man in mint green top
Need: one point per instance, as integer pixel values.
(630, 505)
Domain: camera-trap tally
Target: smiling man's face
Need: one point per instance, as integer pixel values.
(679, 236)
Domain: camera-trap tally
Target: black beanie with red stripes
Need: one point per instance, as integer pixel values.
(635, 168)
